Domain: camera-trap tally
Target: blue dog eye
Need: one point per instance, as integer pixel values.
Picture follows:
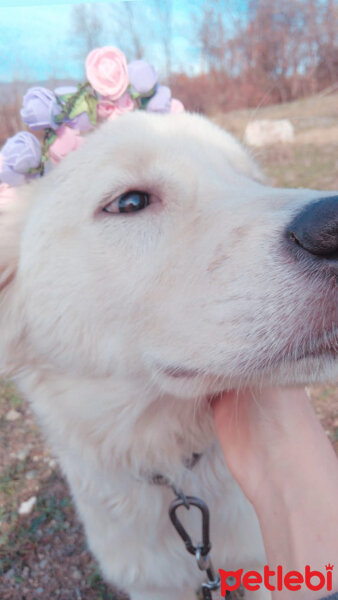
(128, 202)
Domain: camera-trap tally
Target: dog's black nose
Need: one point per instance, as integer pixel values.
(315, 229)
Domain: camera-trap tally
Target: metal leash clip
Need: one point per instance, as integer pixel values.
(212, 583)
(202, 550)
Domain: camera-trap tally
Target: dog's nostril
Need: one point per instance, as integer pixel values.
(315, 229)
(294, 238)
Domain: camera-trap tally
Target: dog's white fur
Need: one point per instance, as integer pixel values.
(98, 310)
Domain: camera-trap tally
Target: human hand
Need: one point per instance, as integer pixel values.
(278, 452)
(262, 434)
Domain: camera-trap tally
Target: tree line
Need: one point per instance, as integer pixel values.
(238, 53)
(244, 53)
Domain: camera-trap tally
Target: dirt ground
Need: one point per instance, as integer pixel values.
(43, 555)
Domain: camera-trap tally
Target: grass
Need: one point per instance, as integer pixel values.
(49, 512)
(96, 583)
(9, 395)
(301, 166)
(11, 479)
(312, 161)
(319, 111)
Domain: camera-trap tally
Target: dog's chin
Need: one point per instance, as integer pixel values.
(184, 383)
(189, 384)
(310, 369)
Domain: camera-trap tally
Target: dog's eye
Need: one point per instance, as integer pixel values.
(128, 202)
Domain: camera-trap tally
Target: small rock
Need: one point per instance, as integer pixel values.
(22, 454)
(31, 474)
(26, 507)
(76, 574)
(9, 574)
(13, 415)
(264, 132)
(43, 563)
(52, 463)
(39, 590)
(69, 550)
(25, 573)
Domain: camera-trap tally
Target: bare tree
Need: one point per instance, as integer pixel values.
(133, 31)
(126, 30)
(212, 35)
(11, 101)
(87, 29)
(164, 11)
(271, 52)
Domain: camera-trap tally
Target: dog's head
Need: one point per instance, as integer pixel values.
(156, 250)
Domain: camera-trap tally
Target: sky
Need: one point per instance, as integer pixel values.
(36, 38)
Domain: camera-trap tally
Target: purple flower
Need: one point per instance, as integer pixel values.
(160, 101)
(142, 77)
(65, 90)
(39, 108)
(81, 122)
(20, 153)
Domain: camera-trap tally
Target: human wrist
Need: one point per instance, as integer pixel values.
(299, 523)
(299, 458)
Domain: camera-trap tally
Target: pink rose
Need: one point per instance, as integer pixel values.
(7, 193)
(176, 106)
(125, 103)
(67, 140)
(107, 72)
(106, 109)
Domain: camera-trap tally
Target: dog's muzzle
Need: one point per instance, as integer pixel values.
(313, 233)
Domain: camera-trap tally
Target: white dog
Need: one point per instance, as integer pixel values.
(149, 271)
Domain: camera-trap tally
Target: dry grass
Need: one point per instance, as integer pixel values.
(319, 111)
(44, 555)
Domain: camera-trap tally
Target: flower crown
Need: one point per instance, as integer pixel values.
(112, 88)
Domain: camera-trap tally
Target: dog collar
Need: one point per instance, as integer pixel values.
(189, 463)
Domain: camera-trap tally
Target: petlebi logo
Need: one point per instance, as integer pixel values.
(277, 579)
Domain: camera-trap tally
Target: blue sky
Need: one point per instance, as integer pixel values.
(36, 39)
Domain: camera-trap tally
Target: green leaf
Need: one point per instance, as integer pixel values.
(91, 110)
(49, 139)
(86, 102)
(64, 98)
(59, 118)
(80, 105)
(143, 103)
(147, 95)
(133, 93)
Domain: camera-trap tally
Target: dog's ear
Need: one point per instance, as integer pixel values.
(14, 206)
